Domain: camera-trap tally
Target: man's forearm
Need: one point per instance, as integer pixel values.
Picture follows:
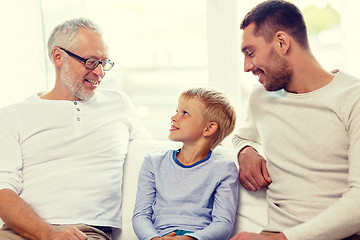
(20, 217)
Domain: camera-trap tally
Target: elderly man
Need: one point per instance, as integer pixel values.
(62, 152)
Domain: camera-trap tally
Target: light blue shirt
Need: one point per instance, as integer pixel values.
(201, 198)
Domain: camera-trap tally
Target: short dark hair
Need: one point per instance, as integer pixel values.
(277, 15)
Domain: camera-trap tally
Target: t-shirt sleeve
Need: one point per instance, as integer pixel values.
(10, 154)
(136, 128)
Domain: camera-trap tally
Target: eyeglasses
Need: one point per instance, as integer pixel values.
(92, 63)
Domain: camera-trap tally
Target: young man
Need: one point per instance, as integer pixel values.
(62, 151)
(307, 121)
(190, 193)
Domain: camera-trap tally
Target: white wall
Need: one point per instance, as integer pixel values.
(22, 50)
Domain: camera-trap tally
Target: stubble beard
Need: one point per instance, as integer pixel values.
(279, 73)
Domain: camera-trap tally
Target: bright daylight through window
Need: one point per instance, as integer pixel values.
(161, 47)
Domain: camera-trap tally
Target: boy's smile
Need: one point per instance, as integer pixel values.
(173, 128)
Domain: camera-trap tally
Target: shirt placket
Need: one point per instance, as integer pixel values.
(78, 117)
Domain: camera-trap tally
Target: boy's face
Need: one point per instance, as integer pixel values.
(188, 124)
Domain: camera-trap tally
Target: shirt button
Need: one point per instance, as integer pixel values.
(78, 119)
(78, 109)
(75, 103)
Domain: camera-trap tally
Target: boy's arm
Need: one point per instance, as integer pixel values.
(224, 207)
(145, 197)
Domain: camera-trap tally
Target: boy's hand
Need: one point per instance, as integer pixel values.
(172, 236)
(178, 238)
(169, 236)
(253, 173)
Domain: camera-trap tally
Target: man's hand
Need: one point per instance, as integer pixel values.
(71, 233)
(254, 236)
(253, 173)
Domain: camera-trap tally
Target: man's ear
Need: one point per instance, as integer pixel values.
(57, 56)
(210, 129)
(282, 42)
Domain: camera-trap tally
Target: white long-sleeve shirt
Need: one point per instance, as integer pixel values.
(311, 142)
(65, 158)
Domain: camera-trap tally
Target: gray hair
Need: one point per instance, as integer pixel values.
(64, 34)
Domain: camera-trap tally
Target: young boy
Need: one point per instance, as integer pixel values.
(190, 193)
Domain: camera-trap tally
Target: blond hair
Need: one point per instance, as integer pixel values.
(217, 108)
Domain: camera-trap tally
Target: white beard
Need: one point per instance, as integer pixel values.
(75, 86)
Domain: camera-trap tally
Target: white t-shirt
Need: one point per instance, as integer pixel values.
(65, 158)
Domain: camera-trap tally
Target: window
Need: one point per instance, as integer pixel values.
(161, 47)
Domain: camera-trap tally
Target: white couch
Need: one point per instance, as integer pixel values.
(251, 215)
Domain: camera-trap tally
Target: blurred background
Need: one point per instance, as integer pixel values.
(161, 47)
